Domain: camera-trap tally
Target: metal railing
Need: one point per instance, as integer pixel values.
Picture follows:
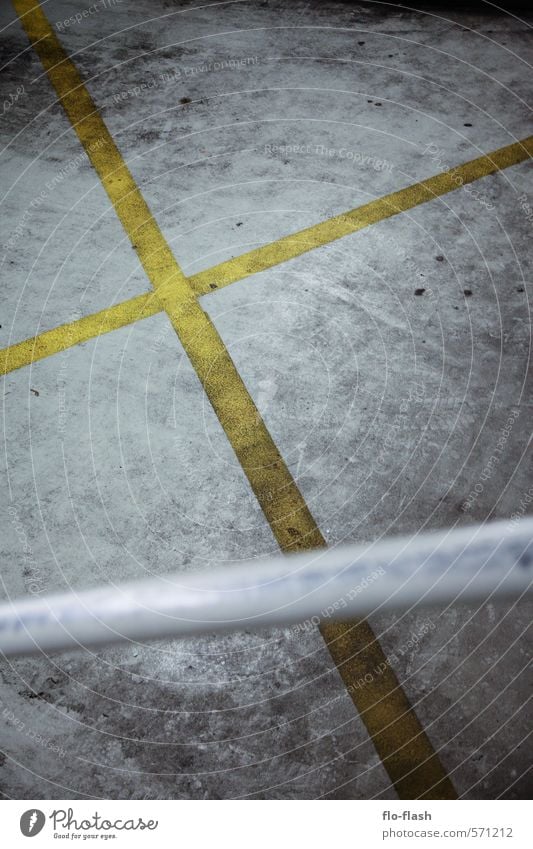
(469, 564)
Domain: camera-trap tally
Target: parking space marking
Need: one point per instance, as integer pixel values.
(268, 256)
(402, 744)
(81, 330)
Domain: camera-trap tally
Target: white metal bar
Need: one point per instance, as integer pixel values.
(468, 564)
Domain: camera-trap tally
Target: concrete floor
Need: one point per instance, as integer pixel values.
(115, 464)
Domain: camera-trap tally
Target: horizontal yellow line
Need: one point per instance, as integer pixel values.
(66, 335)
(356, 219)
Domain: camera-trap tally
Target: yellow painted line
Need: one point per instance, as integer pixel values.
(356, 219)
(67, 335)
(397, 734)
(274, 253)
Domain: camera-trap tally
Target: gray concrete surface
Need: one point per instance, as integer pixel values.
(385, 405)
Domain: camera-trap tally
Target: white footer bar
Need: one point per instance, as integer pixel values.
(245, 824)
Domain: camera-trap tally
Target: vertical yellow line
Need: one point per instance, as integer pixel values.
(401, 742)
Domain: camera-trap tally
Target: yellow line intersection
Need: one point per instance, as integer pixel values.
(267, 256)
(400, 740)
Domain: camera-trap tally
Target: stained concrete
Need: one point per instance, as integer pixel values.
(385, 404)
